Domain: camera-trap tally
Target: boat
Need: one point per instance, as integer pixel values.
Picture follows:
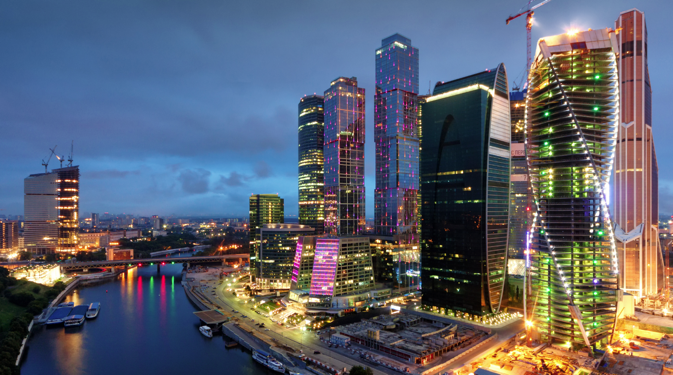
(73, 320)
(93, 310)
(268, 361)
(58, 315)
(66, 304)
(79, 310)
(206, 331)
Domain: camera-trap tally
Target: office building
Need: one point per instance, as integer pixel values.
(302, 267)
(94, 220)
(344, 158)
(157, 222)
(396, 264)
(397, 139)
(342, 267)
(51, 210)
(520, 213)
(311, 162)
(572, 117)
(277, 248)
(636, 194)
(465, 169)
(9, 236)
(264, 209)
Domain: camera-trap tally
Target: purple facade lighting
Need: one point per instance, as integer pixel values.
(297, 261)
(324, 266)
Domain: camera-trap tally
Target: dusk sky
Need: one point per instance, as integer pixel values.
(188, 107)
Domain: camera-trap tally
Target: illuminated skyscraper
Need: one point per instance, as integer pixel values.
(277, 248)
(519, 206)
(465, 169)
(51, 209)
(9, 236)
(397, 139)
(311, 161)
(264, 209)
(302, 268)
(344, 158)
(572, 117)
(636, 196)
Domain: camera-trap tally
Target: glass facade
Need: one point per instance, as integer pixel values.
(520, 212)
(572, 117)
(277, 248)
(465, 168)
(397, 139)
(344, 158)
(311, 161)
(636, 197)
(341, 266)
(302, 267)
(264, 209)
(397, 265)
(51, 210)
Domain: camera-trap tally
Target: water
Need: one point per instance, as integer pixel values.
(146, 326)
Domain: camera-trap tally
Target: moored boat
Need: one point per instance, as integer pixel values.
(267, 360)
(74, 320)
(93, 310)
(206, 331)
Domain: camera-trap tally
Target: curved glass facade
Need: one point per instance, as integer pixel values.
(572, 116)
(465, 169)
(311, 161)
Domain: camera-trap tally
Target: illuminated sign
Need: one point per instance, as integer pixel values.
(394, 309)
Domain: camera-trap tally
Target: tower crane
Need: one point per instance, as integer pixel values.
(72, 143)
(46, 164)
(529, 12)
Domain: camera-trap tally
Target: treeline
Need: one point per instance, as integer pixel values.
(143, 248)
(32, 299)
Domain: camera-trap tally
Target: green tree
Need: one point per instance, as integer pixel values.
(25, 255)
(21, 299)
(359, 370)
(4, 272)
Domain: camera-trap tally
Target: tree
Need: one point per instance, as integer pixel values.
(4, 272)
(359, 370)
(25, 255)
(21, 299)
(517, 293)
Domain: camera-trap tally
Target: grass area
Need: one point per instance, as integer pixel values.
(269, 306)
(9, 310)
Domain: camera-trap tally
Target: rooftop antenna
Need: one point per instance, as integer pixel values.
(46, 163)
(71, 152)
(429, 87)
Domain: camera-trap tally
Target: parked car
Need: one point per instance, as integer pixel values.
(316, 352)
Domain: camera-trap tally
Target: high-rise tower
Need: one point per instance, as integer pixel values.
(572, 117)
(465, 168)
(311, 162)
(344, 157)
(264, 209)
(520, 198)
(636, 195)
(397, 139)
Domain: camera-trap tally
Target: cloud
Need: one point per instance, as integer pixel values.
(108, 173)
(262, 170)
(234, 179)
(194, 181)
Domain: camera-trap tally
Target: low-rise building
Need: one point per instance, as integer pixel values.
(119, 254)
(46, 274)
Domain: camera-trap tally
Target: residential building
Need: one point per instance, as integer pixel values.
(157, 222)
(636, 186)
(465, 169)
(9, 236)
(520, 213)
(344, 158)
(311, 162)
(51, 209)
(397, 139)
(264, 209)
(94, 220)
(572, 118)
(278, 245)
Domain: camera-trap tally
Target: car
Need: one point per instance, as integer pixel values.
(316, 352)
(266, 329)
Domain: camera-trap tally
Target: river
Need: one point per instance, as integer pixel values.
(146, 326)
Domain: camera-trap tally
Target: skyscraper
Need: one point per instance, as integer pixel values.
(311, 162)
(344, 157)
(9, 235)
(51, 209)
(465, 167)
(397, 139)
(636, 195)
(519, 207)
(278, 244)
(303, 262)
(264, 209)
(94, 220)
(572, 117)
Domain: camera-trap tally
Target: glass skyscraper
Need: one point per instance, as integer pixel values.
(344, 158)
(397, 139)
(465, 170)
(264, 209)
(572, 116)
(51, 210)
(311, 161)
(520, 212)
(277, 248)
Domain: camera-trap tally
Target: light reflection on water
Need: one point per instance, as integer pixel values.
(146, 326)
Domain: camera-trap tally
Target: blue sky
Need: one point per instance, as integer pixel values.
(188, 107)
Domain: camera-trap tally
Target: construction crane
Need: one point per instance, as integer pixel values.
(46, 164)
(528, 11)
(72, 143)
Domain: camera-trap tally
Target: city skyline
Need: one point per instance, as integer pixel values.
(162, 143)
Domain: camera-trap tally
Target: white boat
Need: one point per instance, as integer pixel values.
(93, 311)
(267, 360)
(73, 320)
(206, 331)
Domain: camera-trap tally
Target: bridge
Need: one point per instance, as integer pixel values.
(218, 259)
(176, 251)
